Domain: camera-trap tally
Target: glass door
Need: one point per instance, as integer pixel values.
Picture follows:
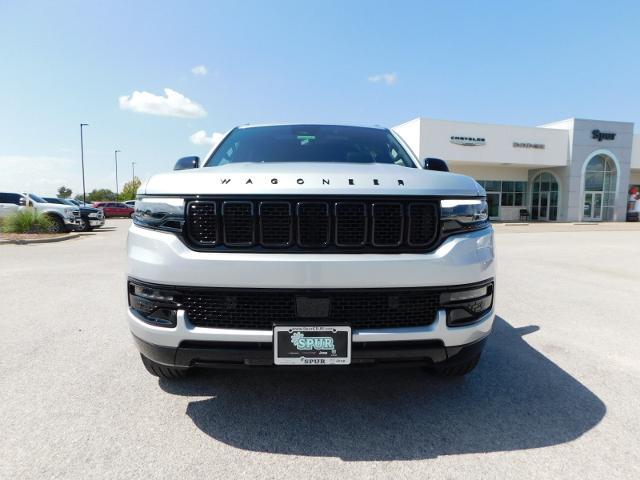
(493, 202)
(544, 198)
(543, 212)
(592, 206)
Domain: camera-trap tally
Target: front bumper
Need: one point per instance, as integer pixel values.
(96, 222)
(161, 258)
(230, 355)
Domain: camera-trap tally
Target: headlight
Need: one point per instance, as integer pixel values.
(68, 212)
(93, 215)
(160, 213)
(461, 215)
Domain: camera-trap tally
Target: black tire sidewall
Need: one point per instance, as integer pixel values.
(57, 224)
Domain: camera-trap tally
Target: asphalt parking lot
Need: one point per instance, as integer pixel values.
(555, 395)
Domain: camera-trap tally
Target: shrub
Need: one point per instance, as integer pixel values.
(26, 221)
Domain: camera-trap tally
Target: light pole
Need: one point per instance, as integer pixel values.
(84, 190)
(115, 153)
(133, 171)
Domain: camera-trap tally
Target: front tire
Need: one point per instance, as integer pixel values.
(162, 371)
(84, 226)
(57, 224)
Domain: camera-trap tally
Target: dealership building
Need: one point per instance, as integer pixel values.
(574, 170)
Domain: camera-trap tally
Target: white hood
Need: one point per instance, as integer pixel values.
(311, 179)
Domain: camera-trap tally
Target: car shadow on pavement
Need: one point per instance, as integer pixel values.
(516, 399)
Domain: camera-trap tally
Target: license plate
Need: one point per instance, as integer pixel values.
(311, 345)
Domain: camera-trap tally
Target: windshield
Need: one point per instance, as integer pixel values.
(310, 143)
(36, 198)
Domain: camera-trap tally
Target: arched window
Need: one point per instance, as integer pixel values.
(600, 179)
(544, 197)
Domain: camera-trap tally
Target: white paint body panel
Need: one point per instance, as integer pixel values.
(162, 258)
(310, 179)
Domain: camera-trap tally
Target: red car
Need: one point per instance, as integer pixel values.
(114, 209)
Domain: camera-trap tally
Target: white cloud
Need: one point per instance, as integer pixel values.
(173, 104)
(41, 175)
(200, 138)
(199, 70)
(388, 78)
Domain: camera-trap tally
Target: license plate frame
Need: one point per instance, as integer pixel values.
(311, 345)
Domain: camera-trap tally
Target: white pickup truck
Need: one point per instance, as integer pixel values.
(63, 218)
(310, 245)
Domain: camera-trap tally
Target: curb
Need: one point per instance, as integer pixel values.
(41, 240)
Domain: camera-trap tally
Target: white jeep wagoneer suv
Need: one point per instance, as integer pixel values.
(310, 245)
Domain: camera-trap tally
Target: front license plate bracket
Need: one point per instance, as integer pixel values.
(311, 345)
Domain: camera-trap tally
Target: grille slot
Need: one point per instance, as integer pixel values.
(260, 310)
(351, 224)
(276, 224)
(237, 219)
(314, 227)
(388, 221)
(202, 223)
(331, 225)
(423, 225)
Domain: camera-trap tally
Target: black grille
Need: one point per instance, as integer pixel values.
(237, 220)
(328, 224)
(260, 310)
(423, 222)
(276, 224)
(388, 219)
(202, 222)
(351, 224)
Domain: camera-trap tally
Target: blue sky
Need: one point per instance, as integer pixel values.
(365, 62)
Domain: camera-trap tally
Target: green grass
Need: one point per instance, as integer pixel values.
(26, 221)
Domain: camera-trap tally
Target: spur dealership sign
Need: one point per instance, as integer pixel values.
(598, 135)
(467, 141)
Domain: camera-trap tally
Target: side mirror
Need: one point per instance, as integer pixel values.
(185, 163)
(23, 202)
(436, 164)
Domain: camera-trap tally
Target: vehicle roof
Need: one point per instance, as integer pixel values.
(298, 124)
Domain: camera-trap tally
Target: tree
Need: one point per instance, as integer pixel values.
(101, 195)
(130, 189)
(98, 195)
(64, 192)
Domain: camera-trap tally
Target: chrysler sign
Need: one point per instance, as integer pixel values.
(467, 141)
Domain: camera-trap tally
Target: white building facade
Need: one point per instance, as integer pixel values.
(574, 170)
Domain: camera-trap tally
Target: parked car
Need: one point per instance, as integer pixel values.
(114, 209)
(80, 204)
(90, 217)
(64, 218)
(310, 245)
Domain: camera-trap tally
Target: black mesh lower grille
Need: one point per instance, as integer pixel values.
(334, 224)
(260, 310)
